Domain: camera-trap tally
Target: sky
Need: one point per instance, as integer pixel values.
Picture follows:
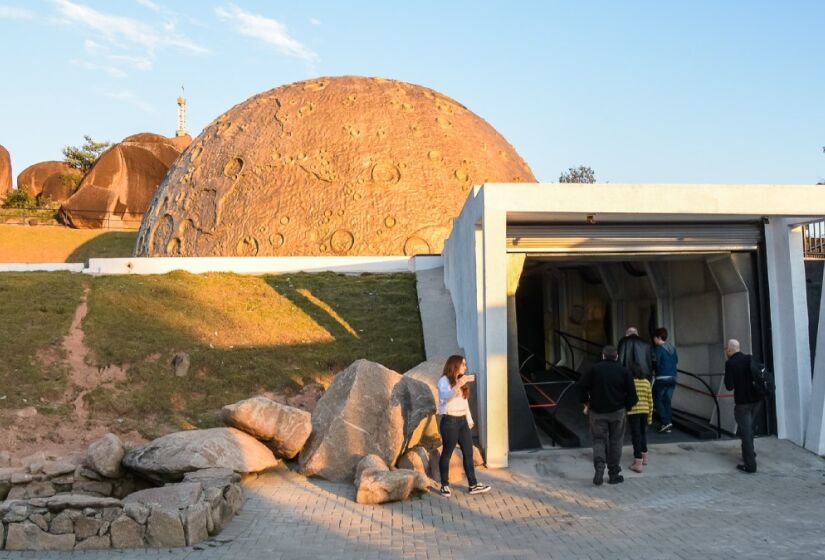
(692, 91)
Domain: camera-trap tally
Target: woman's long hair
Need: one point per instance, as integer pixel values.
(451, 369)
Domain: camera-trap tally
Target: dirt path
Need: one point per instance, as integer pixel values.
(29, 431)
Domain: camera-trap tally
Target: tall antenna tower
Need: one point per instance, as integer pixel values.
(181, 131)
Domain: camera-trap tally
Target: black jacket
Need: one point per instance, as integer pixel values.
(634, 349)
(738, 378)
(608, 387)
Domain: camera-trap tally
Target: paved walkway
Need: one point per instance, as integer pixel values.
(690, 504)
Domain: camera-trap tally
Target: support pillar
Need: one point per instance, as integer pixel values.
(789, 328)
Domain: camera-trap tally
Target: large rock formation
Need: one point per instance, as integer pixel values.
(5, 171)
(60, 186)
(355, 417)
(117, 190)
(34, 177)
(345, 165)
(173, 455)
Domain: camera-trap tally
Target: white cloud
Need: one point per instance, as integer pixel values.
(265, 29)
(131, 98)
(148, 4)
(121, 31)
(13, 12)
(314, 21)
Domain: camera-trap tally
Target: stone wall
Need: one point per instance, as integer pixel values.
(177, 514)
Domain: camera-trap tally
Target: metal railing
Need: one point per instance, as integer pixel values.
(813, 239)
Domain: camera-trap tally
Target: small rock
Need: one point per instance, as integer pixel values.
(127, 533)
(89, 474)
(196, 523)
(16, 513)
(171, 497)
(35, 468)
(181, 363)
(208, 478)
(93, 487)
(37, 457)
(79, 501)
(61, 524)
(25, 413)
(86, 527)
(28, 536)
(21, 478)
(6, 474)
(137, 511)
(40, 520)
(234, 497)
(17, 493)
(164, 528)
(40, 490)
(5, 459)
(104, 528)
(376, 484)
(104, 456)
(416, 459)
(111, 513)
(57, 468)
(94, 542)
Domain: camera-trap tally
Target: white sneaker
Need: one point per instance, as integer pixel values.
(445, 491)
(665, 429)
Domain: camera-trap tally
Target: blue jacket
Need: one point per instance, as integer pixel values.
(666, 360)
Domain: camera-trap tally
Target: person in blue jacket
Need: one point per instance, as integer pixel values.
(665, 378)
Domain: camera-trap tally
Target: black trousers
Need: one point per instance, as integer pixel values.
(638, 433)
(745, 415)
(455, 430)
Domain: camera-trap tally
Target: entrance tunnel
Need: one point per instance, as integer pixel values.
(568, 307)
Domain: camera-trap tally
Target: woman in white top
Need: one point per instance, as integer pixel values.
(456, 423)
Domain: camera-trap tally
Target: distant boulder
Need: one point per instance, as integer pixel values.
(117, 190)
(34, 177)
(5, 171)
(61, 186)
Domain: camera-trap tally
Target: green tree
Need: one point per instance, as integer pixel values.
(20, 198)
(580, 174)
(85, 156)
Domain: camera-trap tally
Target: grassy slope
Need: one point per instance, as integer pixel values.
(62, 244)
(244, 334)
(36, 310)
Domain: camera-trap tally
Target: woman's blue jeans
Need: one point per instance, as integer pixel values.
(455, 430)
(662, 397)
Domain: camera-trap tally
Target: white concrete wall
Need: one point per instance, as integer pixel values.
(42, 267)
(789, 327)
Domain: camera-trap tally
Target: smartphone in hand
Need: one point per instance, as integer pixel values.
(469, 378)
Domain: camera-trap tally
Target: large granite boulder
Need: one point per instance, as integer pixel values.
(282, 428)
(61, 186)
(104, 456)
(170, 457)
(5, 172)
(34, 177)
(375, 483)
(171, 496)
(117, 190)
(429, 372)
(356, 417)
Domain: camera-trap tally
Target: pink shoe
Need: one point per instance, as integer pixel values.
(636, 466)
(644, 458)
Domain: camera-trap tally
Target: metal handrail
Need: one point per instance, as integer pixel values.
(710, 393)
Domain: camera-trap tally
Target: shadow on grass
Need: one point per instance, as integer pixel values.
(110, 244)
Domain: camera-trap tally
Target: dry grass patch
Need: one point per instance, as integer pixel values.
(33, 244)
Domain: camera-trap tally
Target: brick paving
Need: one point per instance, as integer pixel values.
(544, 506)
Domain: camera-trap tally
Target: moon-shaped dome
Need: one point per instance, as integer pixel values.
(331, 166)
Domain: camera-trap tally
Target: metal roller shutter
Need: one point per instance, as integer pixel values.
(636, 239)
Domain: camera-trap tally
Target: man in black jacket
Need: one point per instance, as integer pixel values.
(608, 392)
(746, 407)
(634, 350)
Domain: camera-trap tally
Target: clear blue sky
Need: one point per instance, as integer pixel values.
(655, 91)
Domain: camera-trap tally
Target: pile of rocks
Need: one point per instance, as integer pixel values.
(373, 427)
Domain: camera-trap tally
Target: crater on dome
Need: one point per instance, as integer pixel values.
(336, 166)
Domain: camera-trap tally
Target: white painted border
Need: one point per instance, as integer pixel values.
(237, 265)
